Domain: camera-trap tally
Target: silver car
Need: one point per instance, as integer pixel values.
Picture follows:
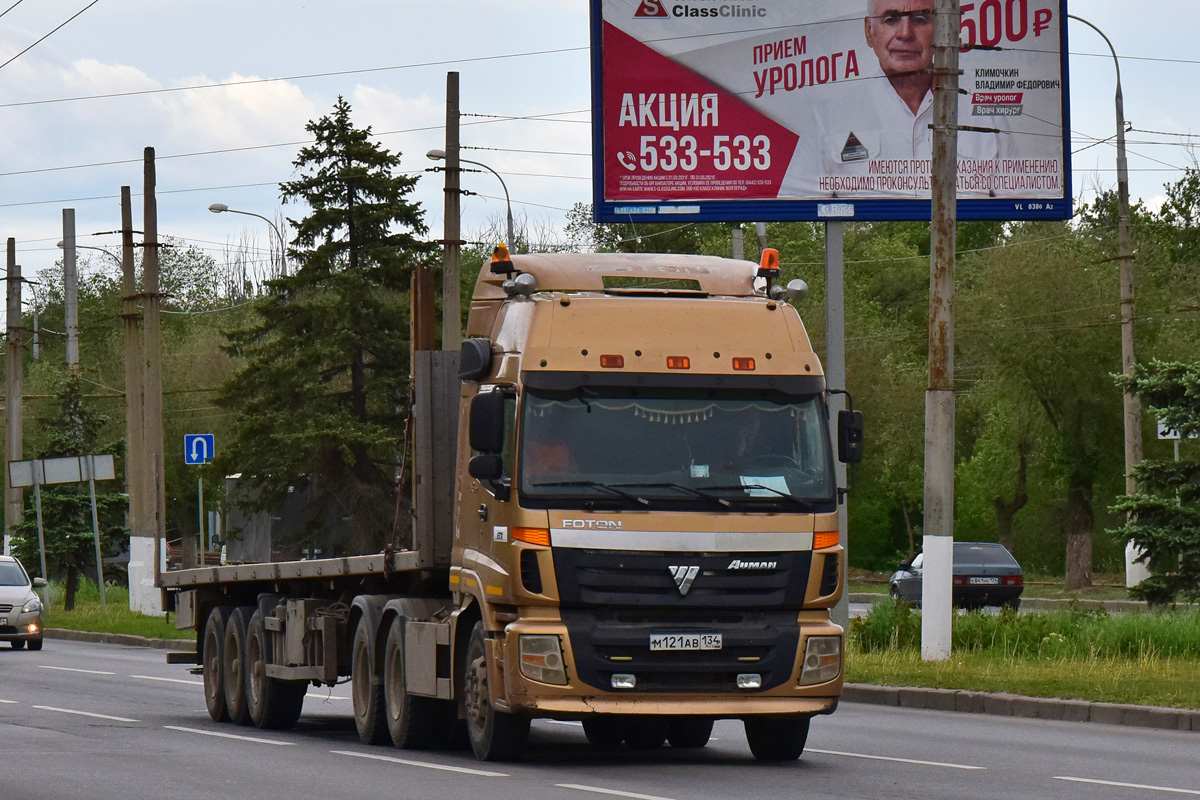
(20, 607)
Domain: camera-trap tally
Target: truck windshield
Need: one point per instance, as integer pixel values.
(738, 450)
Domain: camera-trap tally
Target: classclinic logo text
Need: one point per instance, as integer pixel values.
(651, 8)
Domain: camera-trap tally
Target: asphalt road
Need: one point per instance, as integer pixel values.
(106, 722)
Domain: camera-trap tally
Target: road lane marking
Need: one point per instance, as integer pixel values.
(10, 702)
(1130, 785)
(598, 790)
(424, 764)
(218, 734)
(86, 714)
(889, 758)
(167, 680)
(319, 696)
(71, 669)
(562, 722)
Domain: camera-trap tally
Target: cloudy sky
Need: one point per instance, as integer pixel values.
(222, 90)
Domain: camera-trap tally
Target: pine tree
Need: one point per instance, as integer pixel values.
(1164, 516)
(322, 398)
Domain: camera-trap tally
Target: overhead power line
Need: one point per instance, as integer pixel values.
(48, 35)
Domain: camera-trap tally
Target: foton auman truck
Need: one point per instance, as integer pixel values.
(625, 514)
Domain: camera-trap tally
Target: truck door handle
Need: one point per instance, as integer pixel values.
(483, 511)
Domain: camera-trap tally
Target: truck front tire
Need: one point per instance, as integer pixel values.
(494, 735)
(777, 738)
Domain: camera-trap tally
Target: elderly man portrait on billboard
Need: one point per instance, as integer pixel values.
(878, 126)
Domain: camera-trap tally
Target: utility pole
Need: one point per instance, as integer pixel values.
(739, 242)
(835, 378)
(70, 292)
(13, 387)
(451, 304)
(938, 542)
(152, 405)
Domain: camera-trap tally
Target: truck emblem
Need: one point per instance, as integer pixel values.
(737, 563)
(684, 576)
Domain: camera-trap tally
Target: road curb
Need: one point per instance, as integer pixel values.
(126, 639)
(1015, 705)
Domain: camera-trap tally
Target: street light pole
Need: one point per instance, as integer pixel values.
(439, 155)
(221, 208)
(1135, 573)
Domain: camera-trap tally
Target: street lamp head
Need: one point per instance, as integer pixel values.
(217, 208)
(436, 155)
(59, 245)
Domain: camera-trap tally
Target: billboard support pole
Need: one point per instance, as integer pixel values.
(835, 378)
(938, 541)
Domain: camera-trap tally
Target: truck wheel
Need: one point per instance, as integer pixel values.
(689, 732)
(214, 645)
(415, 723)
(777, 738)
(494, 735)
(233, 665)
(273, 704)
(646, 733)
(604, 731)
(366, 693)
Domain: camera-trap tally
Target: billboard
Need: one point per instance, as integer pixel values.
(760, 110)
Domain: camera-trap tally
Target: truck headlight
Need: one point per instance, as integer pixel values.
(822, 660)
(542, 660)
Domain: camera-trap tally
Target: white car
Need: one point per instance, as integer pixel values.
(20, 607)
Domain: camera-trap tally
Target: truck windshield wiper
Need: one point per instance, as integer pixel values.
(806, 505)
(678, 487)
(595, 485)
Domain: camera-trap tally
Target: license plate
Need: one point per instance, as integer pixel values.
(685, 641)
(984, 581)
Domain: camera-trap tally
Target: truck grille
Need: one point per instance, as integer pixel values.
(612, 602)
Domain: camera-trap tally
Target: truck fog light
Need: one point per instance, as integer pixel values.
(822, 660)
(624, 681)
(542, 660)
(749, 680)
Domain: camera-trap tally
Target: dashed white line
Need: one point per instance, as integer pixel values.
(86, 714)
(167, 680)
(9, 702)
(598, 790)
(563, 722)
(319, 696)
(218, 734)
(889, 758)
(72, 669)
(1129, 785)
(425, 764)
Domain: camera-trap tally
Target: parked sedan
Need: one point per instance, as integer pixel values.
(20, 607)
(985, 574)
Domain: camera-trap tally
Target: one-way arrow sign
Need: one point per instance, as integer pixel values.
(199, 448)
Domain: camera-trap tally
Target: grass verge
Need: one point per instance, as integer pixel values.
(115, 617)
(1142, 659)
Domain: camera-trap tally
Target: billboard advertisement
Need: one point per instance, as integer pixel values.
(759, 110)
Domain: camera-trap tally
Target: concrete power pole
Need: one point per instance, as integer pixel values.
(14, 498)
(152, 405)
(938, 543)
(71, 291)
(451, 304)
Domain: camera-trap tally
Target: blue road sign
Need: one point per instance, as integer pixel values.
(199, 448)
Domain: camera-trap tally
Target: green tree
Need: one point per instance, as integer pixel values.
(72, 430)
(1163, 518)
(322, 392)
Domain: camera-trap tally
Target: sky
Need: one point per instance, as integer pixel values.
(222, 90)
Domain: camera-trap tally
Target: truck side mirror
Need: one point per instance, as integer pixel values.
(850, 436)
(486, 468)
(487, 422)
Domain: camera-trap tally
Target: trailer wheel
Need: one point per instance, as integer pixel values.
(777, 738)
(273, 704)
(415, 723)
(689, 732)
(495, 735)
(233, 665)
(214, 645)
(604, 731)
(365, 691)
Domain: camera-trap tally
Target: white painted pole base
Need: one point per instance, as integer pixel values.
(1134, 573)
(937, 600)
(7, 545)
(144, 596)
